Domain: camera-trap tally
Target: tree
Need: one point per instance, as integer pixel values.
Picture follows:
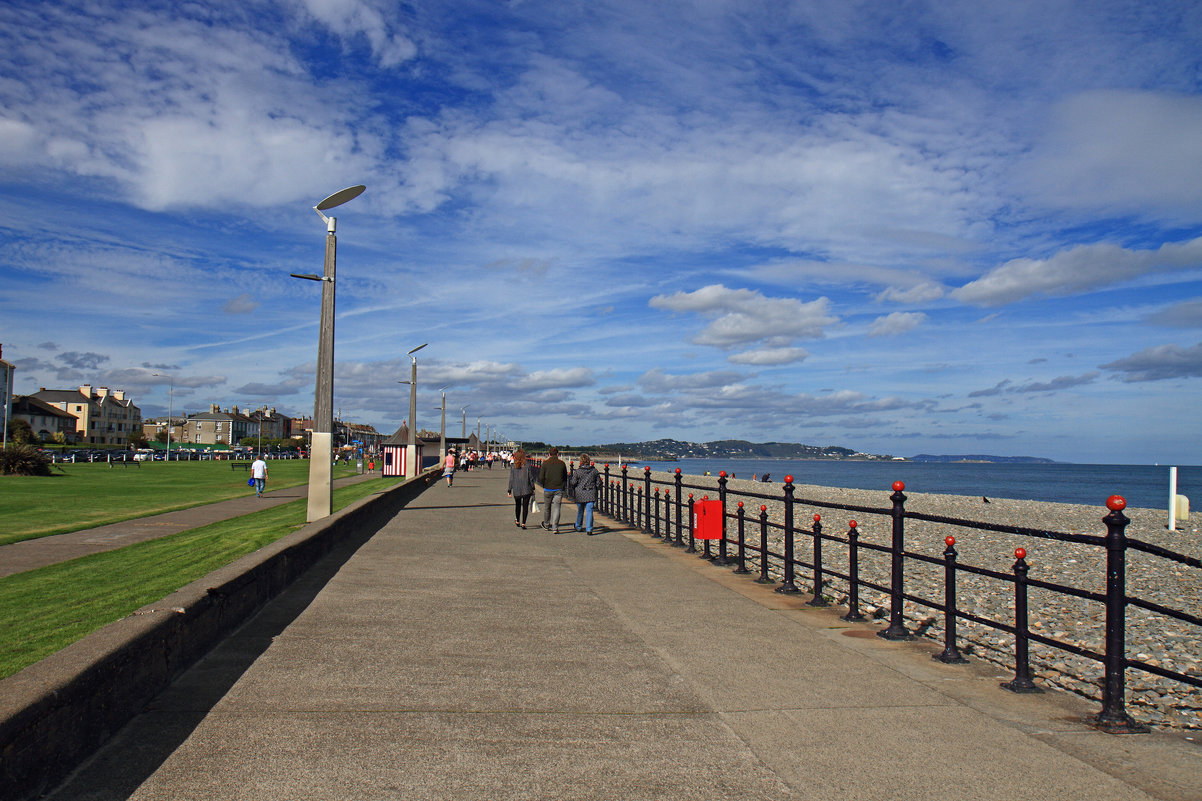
(60, 437)
(24, 460)
(160, 435)
(20, 432)
(137, 439)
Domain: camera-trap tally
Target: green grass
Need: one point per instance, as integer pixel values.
(90, 495)
(47, 609)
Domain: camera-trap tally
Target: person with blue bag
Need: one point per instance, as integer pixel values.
(258, 475)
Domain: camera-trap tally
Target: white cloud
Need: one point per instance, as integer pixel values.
(769, 356)
(919, 293)
(350, 18)
(1123, 152)
(1078, 269)
(1159, 364)
(896, 323)
(743, 316)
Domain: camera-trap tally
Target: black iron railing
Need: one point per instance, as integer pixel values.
(662, 510)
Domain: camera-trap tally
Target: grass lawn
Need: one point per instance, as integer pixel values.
(89, 495)
(47, 609)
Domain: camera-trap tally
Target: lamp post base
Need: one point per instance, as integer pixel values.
(321, 452)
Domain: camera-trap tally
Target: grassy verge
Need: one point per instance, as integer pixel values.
(89, 495)
(47, 609)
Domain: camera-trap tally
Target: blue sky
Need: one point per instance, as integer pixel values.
(900, 227)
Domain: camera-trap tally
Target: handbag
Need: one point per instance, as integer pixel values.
(534, 506)
(250, 482)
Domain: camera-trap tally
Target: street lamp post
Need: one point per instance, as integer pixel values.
(170, 406)
(464, 434)
(442, 429)
(321, 452)
(411, 467)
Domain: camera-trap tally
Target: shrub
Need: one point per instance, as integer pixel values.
(24, 460)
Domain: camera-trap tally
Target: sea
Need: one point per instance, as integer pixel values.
(1143, 486)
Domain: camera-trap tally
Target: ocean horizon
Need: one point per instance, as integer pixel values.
(1143, 486)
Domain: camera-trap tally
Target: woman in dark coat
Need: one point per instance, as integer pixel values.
(583, 485)
(521, 488)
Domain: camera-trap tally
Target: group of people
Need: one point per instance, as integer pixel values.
(580, 486)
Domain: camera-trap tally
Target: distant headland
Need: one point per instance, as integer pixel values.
(669, 450)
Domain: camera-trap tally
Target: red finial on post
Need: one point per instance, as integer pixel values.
(1116, 503)
(647, 469)
(788, 479)
(950, 541)
(763, 508)
(721, 474)
(740, 504)
(678, 471)
(898, 486)
(851, 523)
(817, 518)
(1020, 553)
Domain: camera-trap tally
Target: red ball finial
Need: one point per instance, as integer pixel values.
(657, 490)
(817, 518)
(647, 469)
(1116, 503)
(898, 486)
(950, 541)
(740, 504)
(852, 523)
(721, 474)
(1020, 553)
(678, 471)
(705, 497)
(788, 479)
(763, 508)
(690, 496)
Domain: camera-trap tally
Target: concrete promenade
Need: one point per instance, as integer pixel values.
(454, 656)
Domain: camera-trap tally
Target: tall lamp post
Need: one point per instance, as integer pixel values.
(170, 406)
(442, 430)
(321, 451)
(411, 467)
(464, 434)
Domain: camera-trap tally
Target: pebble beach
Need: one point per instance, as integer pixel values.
(1152, 638)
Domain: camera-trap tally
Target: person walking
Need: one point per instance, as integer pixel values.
(521, 488)
(583, 485)
(552, 476)
(448, 467)
(258, 471)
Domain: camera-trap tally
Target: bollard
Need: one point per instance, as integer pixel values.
(1114, 718)
(763, 579)
(1021, 683)
(897, 629)
(742, 560)
(853, 573)
(787, 586)
(817, 600)
(951, 654)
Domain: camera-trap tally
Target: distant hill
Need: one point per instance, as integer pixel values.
(728, 449)
(926, 457)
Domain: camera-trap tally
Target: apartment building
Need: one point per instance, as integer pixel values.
(102, 416)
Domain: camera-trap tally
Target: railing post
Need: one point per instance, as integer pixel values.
(625, 496)
(723, 558)
(655, 519)
(1021, 683)
(817, 600)
(951, 654)
(636, 508)
(692, 542)
(1114, 718)
(679, 543)
(897, 629)
(605, 493)
(647, 499)
(742, 568)
(853, 573)
(787, 586)
(764, 579)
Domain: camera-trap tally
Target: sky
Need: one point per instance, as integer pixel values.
(907, 227)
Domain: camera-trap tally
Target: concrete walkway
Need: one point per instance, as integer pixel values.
(18, 557)
(454, 656)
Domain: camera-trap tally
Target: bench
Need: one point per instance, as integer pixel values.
(243, 465)
(124, 463)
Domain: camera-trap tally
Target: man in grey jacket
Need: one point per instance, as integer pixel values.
(552, 476)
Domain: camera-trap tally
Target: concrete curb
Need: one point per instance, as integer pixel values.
(55, 713)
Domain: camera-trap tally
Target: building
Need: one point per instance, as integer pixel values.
(213, 427)
(102, 416)
(364, 437)
(271, 424)
(6, 391)
(47, 421)
(152, 428)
